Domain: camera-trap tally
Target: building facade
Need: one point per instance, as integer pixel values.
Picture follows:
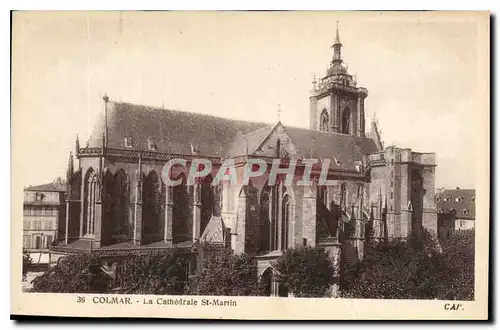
(43, 211)
(456, 210)
(117, 200)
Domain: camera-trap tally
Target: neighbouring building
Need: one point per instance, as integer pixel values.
(44, 210)
(456, 210)
(117, 201)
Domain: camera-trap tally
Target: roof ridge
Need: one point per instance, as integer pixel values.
(155, 108)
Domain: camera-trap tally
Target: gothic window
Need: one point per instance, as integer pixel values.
(153, 205)
(120, 207)
(324, 119)
(207, 200)
(152, 144)
(343, 196)
(346, 121)
(129, 142)
(285, 222)
(181, 211)
(265, 224)
(278, 148)
(89, 202)
(274, 218)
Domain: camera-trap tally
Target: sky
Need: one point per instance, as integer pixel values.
(423, 74)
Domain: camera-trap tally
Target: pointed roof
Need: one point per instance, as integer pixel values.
(337, 38)
(215, 231)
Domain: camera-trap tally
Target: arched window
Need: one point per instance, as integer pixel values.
(278, 149)
(346, 121)
(121, 207)
(265, 222)
(153, 207)
(323, 122)
(343, 196)
(89, 202)
(285, 222)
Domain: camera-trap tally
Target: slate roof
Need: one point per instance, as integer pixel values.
(458, 200)
(177, 131)
(346, 149)
(48, 187)
(173, 131)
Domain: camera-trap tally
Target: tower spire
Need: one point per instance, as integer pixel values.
(69, 172)
(337, 38)
(337, 55)
(77, 145)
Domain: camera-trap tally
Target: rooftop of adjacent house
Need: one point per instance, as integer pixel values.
(143, 127)
(56, 186)
(462, 202)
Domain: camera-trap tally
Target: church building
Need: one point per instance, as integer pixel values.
(117, 201)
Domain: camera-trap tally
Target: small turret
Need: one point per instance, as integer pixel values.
(77, 145)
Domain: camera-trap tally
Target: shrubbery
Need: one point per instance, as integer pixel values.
(162, 273)
(220, 272)
(458, 261)
(392, 269)
(414, 269)
(27, 262)
(306, 271)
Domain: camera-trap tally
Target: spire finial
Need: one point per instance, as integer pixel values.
(337, 56)
(279, 112)
(77, 145)
(337, 38)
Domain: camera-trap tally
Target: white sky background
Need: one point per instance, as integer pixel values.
(421, 75)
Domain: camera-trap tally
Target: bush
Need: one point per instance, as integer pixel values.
(27, 262)
(72, 274)
(458, 253)
(414, 269)
(396, 269)
(306, 271)
(220, 272)
(162, 273)
(154, 274)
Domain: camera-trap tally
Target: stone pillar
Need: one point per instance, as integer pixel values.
(313, 112)
(138, 209)
(429, 215)
(66, 229)
(335, 113)
(377, 222)
(97, 223)
(196, 211)
(169, 216)
(404, 201)
(333, 249)
(279, 215)
(82, 205)
(309, 214)
(241, 217)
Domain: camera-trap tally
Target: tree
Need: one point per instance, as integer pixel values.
(396, 269)
(158, 273)
(27, 262)
(220, 272)
(306, 271)
(458, 253)
(72, 274)
(163, 273)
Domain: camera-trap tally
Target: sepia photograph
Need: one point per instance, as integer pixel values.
(209, 164)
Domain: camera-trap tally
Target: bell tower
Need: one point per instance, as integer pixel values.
(336, 103)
